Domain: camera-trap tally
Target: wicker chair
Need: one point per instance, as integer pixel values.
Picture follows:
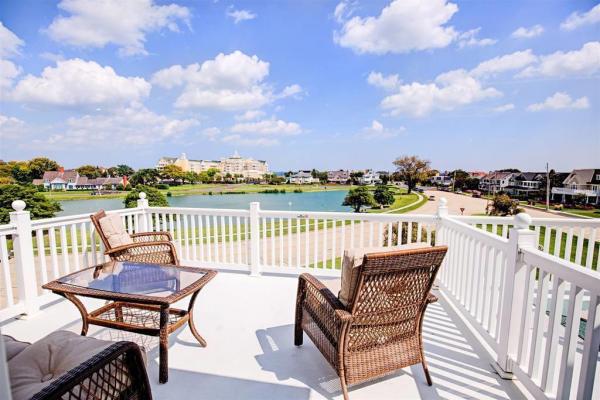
(379, 331)
(150, 247)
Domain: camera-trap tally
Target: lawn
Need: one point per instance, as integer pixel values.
(207, 189)
(401, 199)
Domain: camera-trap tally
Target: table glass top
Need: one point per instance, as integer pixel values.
(134, 278)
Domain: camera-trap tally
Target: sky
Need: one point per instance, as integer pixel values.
(477, 85)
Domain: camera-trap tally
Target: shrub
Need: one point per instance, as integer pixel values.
(36, 203)
(503, 205)
(297, 190)
(162, 186)
(154, 196)
(383, 195)
(358, 197)
(169, 194)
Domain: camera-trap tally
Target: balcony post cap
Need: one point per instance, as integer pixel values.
(443, 202)
(18, 205)
(142, 195)
(522, 220)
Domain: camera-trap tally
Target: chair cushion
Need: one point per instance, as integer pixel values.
(114, 230)
(38, 365)
(353, 259)
(13, 346)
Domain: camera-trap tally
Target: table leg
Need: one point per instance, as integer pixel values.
(82, 311)
(163, 362)
(199, 338)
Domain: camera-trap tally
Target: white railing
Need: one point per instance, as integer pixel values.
(501, 273)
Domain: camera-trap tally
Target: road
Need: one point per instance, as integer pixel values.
(472, 206)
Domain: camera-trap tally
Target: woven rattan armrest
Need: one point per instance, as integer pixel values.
(431, 298)
(117, 372)
(151, 236)
(162, 252)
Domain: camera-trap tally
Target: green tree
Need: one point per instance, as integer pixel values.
(211, 173)
(124, 170)
(359, 197)
(145, 176)
(191, 177)
(460, 178)
(412, 170)
(20, 172)
(173, 172)
(90, 171)
(39, 165)
(154, 196)
(37, 204)
(383, 195)
(355, 175)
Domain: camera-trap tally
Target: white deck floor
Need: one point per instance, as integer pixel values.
(248, 324)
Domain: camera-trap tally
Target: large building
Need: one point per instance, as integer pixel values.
(235, 165)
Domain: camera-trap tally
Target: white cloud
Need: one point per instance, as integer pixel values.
(558, 101)
(378, 131)
(130, 125)
(527, 33)
(77, 82)
(577, 20)
(389, 82)
(585, 61)
(10, 46)
(250, 115)
(470, 39)
(450, 90)
(290, 91)
(402, 26)
(125, 23)
(508, 62)
(504, 108)
(11, 127)
(244, 141)
(232, 82)
(211, 133)
(239, 15)
(267, 127)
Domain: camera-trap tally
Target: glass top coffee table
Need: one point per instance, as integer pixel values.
(140, 297)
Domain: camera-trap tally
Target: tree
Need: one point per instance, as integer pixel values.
(36, 203)
(503, 205)
(39, 165)
(212, 172)
(472, 184)
(90, 171)
(20, 172)
(123, 170)
(154, 196)
(460, 178)
(358, 198)
(385, 179)
(172, 172)
(145, 176)
(191, 177)
(383, 195)
(412, 170)
(355, 175)
(556, 180)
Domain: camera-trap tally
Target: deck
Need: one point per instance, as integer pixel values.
(248, 323)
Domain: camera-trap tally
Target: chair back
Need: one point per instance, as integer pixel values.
(391, 295)
(96, 221)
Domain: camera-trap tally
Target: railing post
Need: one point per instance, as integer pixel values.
(513, 295)
(142, 204)
(254, 239)
(24, 259)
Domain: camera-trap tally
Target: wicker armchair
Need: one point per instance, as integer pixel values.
(151, 247)
(379, 331)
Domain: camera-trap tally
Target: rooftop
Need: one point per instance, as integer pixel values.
(251, 355)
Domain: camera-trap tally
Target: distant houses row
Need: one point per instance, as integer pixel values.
(362, 177)
(71, 180)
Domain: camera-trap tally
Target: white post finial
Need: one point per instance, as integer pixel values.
(18, 205)
(142, 195)
(442, 210)
(522, 220)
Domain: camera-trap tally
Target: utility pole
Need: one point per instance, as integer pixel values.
(547, 188)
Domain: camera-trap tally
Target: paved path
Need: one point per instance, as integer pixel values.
(472, 205)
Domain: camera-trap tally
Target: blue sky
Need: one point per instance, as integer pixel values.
(477, 85)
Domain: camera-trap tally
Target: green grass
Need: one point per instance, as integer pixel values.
(401, 199)
(206, 189)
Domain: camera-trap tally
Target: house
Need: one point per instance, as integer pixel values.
(525, 183)
(495, 181)
(71, 180)
(579, 182)
(302, 178)
(369, 178)
(477, 174)
(340, 176)
(441, 179)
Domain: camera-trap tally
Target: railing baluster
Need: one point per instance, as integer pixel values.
(6, 271)
(591, 343)
(75, 247)
(591, 248)
(64, 249)
(289, 242)
(280, 242)
(239, 239)
(193, 237)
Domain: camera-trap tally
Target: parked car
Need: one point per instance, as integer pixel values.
(432, 198)
(476, 194)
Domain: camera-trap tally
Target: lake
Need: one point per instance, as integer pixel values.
(310, 201)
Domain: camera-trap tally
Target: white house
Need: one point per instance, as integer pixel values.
(580, 181)
(71, 180)
(369, 178)
(302, 178)
(443, 179)
(495, 181)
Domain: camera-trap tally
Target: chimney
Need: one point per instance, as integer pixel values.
(61, 170)
(124, 181)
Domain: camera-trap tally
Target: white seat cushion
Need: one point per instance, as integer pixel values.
(353, 259)
(40, 363)
(114, 230)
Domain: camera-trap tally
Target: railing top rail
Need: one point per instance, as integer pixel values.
(8, 229)
(348, 216)
(593, 223)
(205, 211)
(78, 218)
(584, 278)
(486, 237)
